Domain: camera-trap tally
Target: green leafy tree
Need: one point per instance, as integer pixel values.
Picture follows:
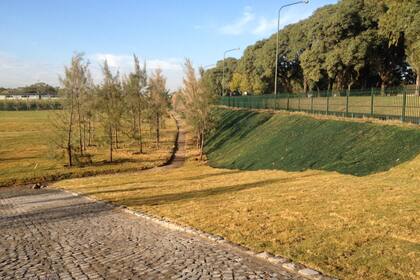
(401, 23)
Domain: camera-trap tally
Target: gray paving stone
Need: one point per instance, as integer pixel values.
(51, 234)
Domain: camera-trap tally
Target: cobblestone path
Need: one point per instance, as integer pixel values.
(51, 234)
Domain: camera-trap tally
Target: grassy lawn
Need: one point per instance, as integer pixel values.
(26, 156)
(346, 226)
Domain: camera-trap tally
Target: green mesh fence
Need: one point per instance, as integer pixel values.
(391, 104)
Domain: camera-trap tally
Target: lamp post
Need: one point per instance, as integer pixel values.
(223, 75)
(277, 41)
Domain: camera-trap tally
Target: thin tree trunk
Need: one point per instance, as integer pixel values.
(80, 129)
(202, 146)
(162, 123)
(89, 133)
(116, 138)
(140, 134)
(134, 124)
(84, 135)
(382, 88)
(69, 148)
(110, 144)
(157, 130)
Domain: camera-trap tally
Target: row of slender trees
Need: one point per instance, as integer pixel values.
(195, 101)
(99, 114)
(351, 44)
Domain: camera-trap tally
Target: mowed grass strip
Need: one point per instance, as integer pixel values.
(26, 155)
(256, 140)
(346, 226)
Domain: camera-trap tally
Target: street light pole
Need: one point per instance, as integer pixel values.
(277, 41)
(223, 75)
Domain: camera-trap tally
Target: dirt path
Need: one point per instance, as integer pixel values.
(180, 154)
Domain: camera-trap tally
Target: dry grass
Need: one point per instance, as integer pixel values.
(346, 226)
(25, 155)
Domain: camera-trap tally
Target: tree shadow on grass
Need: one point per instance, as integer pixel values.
(19, 158)
(190, 195)
(205, 176)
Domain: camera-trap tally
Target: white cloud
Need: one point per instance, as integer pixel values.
(239, 26)
(124, 62)
(250, 23)
(169, 64)
(114, 61)
(15, 71)
(265, 26)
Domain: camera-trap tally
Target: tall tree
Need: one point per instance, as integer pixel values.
(158, 100)
(135, 88)
(401, 23)
(197, 100)
(74, 85)
(110, 106)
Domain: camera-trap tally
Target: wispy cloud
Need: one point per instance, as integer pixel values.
(171, 67)
(123, 62)
(265, 26)
(239, 25)
(251, 23)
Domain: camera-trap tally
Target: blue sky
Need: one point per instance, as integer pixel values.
(39, 37)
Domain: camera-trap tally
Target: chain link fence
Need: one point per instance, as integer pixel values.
(391, 104)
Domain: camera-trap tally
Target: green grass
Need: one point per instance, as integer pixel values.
(26, 157)
(251, 140)
(350, 227)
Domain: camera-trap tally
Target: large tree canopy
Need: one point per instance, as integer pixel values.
(352, 44)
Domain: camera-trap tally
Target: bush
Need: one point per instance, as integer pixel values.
(29, 105)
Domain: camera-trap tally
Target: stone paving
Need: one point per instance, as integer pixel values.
(51, 234)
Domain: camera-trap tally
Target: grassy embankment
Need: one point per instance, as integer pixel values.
(351, 227)
(26, 155)
(292, 142)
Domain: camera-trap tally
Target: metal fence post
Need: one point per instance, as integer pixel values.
(404, 106)
(347, 103)
(312, 103)
(372, 95)
(328, 103)
(299, 102)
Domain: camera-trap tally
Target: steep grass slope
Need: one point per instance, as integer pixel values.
(251, 140)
